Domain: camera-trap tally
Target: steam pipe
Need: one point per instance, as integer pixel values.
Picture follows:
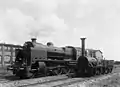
(83, 46)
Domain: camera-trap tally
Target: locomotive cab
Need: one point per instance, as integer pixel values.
(22, 61)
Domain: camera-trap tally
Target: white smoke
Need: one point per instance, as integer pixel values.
(29, 19)
(63, 22)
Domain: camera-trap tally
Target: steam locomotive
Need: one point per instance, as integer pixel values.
(35, 59)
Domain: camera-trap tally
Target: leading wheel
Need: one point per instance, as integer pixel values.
(41, 70)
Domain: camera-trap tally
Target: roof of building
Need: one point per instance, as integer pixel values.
(3, 44)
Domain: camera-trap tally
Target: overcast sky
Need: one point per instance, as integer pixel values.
(63, 22)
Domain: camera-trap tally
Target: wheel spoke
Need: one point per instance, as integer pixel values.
(57, 71)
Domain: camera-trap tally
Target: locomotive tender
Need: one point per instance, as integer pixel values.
(36, 59)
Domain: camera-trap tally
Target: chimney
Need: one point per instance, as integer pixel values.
(83, 46)
(33, 40)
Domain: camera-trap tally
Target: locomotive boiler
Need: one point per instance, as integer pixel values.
(36, 59)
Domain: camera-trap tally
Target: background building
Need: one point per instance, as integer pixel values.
(7, 53)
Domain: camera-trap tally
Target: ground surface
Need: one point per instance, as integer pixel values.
(112, 80)
(109, 82)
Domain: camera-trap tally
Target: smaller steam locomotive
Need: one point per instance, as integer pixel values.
(35, 59)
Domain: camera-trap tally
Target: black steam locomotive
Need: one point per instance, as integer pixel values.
(36, 59)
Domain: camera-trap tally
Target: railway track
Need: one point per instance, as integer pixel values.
(27, 82)
(7, 77)
(73, 82)
(53, 81)
(50, 81)
(91, 81)
(62, 83)
(57, 83)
